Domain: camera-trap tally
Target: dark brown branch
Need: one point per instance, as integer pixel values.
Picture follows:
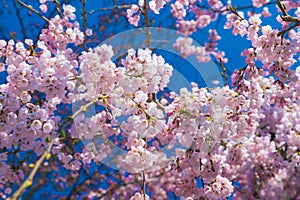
(144, 185)
(281, 33)
(287, 18)
(281, 7)
(224, 75)
(159, 105)
(147, 22)
(84, 14)
(74, 187)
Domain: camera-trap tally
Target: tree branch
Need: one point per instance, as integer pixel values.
(108, 8)
(28, 181)
(147, 22)
(29, 7)
(20, 20)
(224, 73)
(84, 14)
(58, 7)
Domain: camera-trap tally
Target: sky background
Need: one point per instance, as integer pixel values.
(10, 26)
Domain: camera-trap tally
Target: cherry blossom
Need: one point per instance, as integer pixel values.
(205, 143)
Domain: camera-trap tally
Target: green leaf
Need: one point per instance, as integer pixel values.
(62, 134)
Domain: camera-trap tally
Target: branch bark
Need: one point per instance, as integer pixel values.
(29, 7)
(147, 22)
(28, 181)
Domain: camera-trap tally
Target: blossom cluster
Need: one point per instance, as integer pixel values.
(38, 79)
(203, 54)
(133, 13)
(276, 54)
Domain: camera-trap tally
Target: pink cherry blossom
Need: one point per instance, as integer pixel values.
(156, 5)
(197, 144)
(44, 8)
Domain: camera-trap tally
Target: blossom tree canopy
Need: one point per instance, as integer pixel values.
(141, 100)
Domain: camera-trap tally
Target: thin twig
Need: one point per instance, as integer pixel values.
(74, 187)
(144, 178)
(281, 7)
(287, 18)
(159, 105)
(58, 7)
(224, 75)
(147, 22)
(228, 8)
(234, 11)
(86, 106)
(108, 8)
(20, 20)
(84, 15)
(116, 186)
(29, 180)
(281, 33)
(45, 25)
(29, 7)
(140, 107)
(84, 47)
(144, 185)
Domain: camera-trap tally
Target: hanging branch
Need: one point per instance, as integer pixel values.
(224, 73)
(147, 23)
(144, 185)
(20, 20)
(84, 14)
(287, 18)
